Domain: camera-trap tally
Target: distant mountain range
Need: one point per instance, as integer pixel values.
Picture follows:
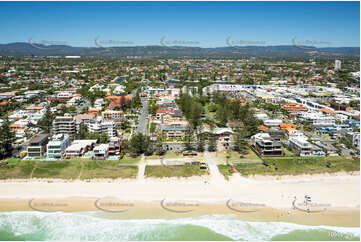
(19, 49)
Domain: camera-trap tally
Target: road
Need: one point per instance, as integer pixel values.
(142, 120)
(85, 104)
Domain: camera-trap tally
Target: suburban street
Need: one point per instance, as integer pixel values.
(142, 121)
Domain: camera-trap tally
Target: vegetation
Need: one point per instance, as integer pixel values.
(295, 166)
(174, 171)
(7, 138)
(75, 168)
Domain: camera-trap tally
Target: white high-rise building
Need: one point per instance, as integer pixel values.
(337, 65)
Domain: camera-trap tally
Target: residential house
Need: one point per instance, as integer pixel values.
(101, 152)
(79, 147)
(264, 145)
(37, 145)
(56, 147)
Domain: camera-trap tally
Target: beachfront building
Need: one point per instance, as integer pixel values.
(56, 147)
(264, 145)
(101, 152)
(37, 145)
(64, 125)
(79, 147)
(114, 146)
(305, 148)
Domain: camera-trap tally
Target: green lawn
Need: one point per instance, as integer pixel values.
(108, 169)
(76, 168)
(301, 165)
(221, 156)
(174, 155)
(174, 171)
(130, 160)
(287, 152)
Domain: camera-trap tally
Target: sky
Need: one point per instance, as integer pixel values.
(198, 24)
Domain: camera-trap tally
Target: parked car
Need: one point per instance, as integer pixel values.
(189, 153)
(203, 166)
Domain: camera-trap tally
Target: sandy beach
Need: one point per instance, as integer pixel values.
(255, 198)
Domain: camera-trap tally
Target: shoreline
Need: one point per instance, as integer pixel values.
(335, 198)
(339, 217)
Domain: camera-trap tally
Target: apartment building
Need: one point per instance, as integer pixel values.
(101, 152)
(64, 125)
(264, 145)
(112, 114)
(100, 126)
(82, 119)
(56, 147)
(272, 122)
(318, 119)
(294, 108)
(302, 145)
(305, 148)
(114, 146)
(37, 145)
(173, 132)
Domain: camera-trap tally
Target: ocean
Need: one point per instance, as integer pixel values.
(40, 226)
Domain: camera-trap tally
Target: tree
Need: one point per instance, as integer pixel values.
(212, 143)
(7, 138)
(47, 121)
(152, 109)
(195, 115)
(83, 132)
(240, 142)
(188, 138)
(138, 144)
(200, 143)
(123, 104)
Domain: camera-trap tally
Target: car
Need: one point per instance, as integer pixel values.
(203, 166)
(189, 153)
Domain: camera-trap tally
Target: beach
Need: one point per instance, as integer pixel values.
(330, 194)
(197, 208)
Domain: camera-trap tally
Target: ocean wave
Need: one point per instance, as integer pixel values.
(88, 226)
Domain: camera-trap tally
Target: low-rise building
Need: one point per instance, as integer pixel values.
(79, 147)
(100, 152)
(301, 145)
(56, 147)
(264, 145)
(114, 146)
(272, 122)
(37, 145)
(112, 114)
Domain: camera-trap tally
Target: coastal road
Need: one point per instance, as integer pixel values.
(142, 120)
